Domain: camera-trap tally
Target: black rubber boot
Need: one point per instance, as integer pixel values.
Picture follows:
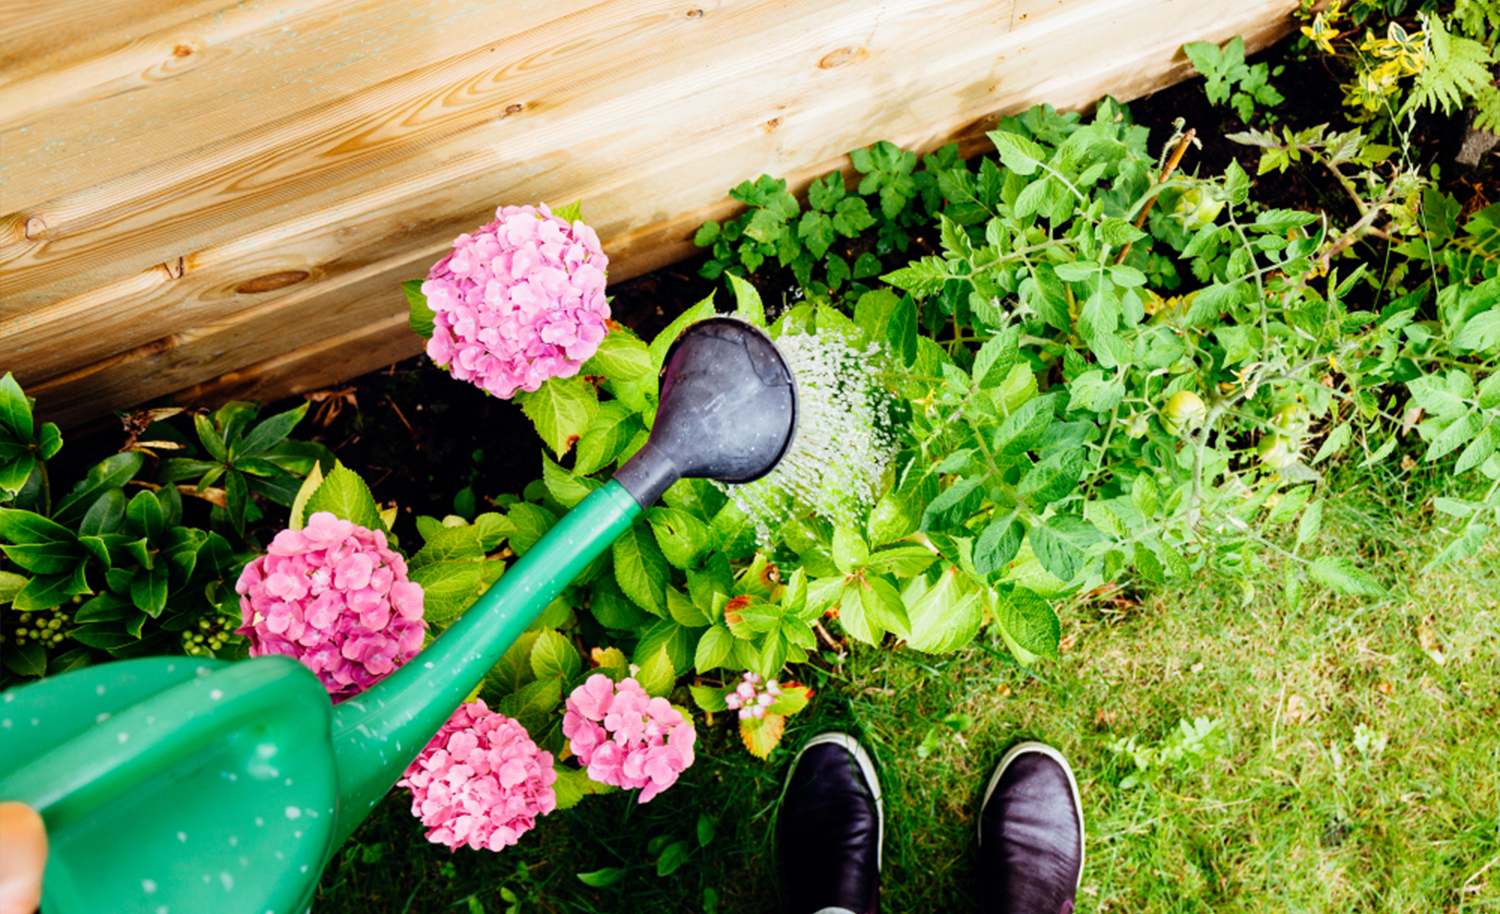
(1030, 835)
(829, 828)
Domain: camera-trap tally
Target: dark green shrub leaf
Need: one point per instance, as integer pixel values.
(673, 858)
(29, 659)
(110, 473)
(609, 875)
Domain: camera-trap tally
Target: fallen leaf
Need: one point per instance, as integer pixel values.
(1196, 668)
(1296, 709)
(1385, 688)
(1432, 645)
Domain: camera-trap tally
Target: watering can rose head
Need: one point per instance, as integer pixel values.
(518, 301)
(335, 597)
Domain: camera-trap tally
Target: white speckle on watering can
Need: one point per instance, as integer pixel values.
(313, 813)
(203, 671)
(228, 881)
(182, 836)
(149, 885)
(5, 723)
(150, 721)
(98, 690)
(229, 775)
(428, 664)
(293, 812)
(161, 909)
(259, 822)
(216, 694)
(122, 737)
(35, 721)
(9, 698)
(101, 717)
(233, 841)
(207, 879)
(244, 861)
(280, 855)
(304, 867)
(171, 667)
(297, 834)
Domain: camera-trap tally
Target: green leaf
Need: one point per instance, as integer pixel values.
(43, 592)
(304, 492)
(111, 473)
(901, 332)
(26, 528)
(448, 588)
(1028, 623)
(1311, 523)
(998, 544)
(10, 585)
(747, 299)
(420, 317)
(1479, 450)
(683, 538)
(672, 859)
(15, 411)
(105, 514)
(946, 616)
(56, 557)
(1018, 153)
(1457, 434)
(567, 488)
(849, 549)
(148, 590)
(15, 471)
(713, 648)
(706, 830)
(1344, 576)
(664, 340)
(561, 409)
(144, 516)
(554, 656)
(641, 569)
(270, 432)
(533, 705)
(684, 611)
(573, 212)
(1061, 542)
(29, 659)
(602, 878)
(346, 496)
(995, 359)
(1055, 477)
(954, 504)
(657, 674)
(622, 357)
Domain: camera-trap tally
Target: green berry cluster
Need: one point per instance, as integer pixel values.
(46, 626)
(207, 637)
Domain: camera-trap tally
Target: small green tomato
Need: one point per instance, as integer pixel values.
(1183, 409)
(1277, 452)
(1198, 207)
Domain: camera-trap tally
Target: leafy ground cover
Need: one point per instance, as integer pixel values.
(1344, 756)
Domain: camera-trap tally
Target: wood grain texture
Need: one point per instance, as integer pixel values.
(166, 230)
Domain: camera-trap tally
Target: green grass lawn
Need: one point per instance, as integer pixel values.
(1354, 765)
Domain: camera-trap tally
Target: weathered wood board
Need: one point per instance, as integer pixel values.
(221, 198)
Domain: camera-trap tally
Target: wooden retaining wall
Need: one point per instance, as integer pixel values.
(219, 199)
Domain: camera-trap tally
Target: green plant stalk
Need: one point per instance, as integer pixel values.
(377, 734)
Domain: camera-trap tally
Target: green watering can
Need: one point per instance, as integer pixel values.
(173, 785)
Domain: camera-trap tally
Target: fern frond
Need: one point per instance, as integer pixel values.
(1487, 109)
(1458, 68)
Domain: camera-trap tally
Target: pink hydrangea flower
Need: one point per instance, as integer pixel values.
(334, 596)
(518, 301)
(625, 737)
(481, 781)
(750, 698)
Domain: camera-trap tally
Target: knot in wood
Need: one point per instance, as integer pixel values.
(840, 57)
(513, 109)
(271, 282)
(36, 228)
(695, 13)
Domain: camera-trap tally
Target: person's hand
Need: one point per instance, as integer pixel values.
(23, 856)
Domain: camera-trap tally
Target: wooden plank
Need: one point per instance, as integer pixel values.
(539, 94)
(653, 158)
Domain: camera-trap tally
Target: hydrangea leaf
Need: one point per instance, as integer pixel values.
(448, 588)
(713, 649)
(665, 339)
(710, 699)
(567, 488)
(554, 656)
(762, 735)
(640, 569)
(419, 316)
(747, 300)
(791, 700)
(346, 496)
(621, 357)
(573, 212)
(656, 674)
(678, 641)
(531, 523)
(683, 538)
(561, 409)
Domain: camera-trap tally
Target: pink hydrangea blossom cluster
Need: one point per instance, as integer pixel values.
(481, 781)
(334, 596)
(518, 301)
(750, 698)
(625, 737)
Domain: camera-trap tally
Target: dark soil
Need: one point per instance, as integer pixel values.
(420, 437)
